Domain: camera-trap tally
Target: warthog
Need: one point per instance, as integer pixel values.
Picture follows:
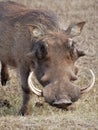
(32, 41)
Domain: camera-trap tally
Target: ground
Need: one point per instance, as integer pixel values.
(84, 116)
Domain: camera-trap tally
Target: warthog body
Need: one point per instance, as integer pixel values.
(32, 40)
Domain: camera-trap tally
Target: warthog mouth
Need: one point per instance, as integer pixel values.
(39, 92)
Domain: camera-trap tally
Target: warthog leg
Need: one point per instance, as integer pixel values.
(24, 73)
(4, 74)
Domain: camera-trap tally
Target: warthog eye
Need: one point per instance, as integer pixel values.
(40, 50)
(71, 47)
(73, 50)
(71, 44)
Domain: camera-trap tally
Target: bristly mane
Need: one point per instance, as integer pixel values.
(13, 12)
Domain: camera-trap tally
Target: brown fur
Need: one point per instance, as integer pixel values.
(14, 12)
(50, 55)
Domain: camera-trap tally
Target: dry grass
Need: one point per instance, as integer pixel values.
(45, 117)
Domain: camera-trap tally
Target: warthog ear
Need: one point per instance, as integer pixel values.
(35, 31)
(75, 29)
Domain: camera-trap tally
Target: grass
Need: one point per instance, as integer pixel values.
(85, 114)
(45, 117)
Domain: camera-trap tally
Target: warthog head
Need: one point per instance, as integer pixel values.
(54, 56)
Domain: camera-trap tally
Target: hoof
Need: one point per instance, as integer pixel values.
(24, 112)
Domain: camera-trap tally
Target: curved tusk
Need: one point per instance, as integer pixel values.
(35, 90)
(87, 89)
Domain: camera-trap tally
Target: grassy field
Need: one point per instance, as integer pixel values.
(84, 116)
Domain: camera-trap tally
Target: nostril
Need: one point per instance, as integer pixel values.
(62, 103)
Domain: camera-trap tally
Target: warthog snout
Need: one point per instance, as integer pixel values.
(61, 96)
